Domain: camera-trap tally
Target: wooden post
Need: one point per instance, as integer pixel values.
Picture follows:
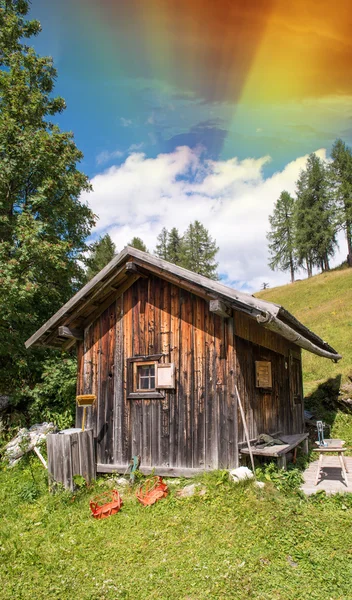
(245, 428)
(70, 453)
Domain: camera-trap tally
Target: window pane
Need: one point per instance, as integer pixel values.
(146, 377)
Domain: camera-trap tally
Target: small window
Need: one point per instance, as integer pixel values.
(144, 377)
(147, 378)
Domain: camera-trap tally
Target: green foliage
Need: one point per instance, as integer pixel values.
(282, 236)
(101, 253)
(340, 171)
(53, 398)
(138, 243)
(79, 482)
(43, 225)
(198, 251)
(161, 248)
(234, 542)
(284, 481)
(174, 245)
(29, 492)
(315, 226)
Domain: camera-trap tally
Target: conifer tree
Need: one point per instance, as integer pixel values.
(281, 237)
(198, 251)
(340, 171)
(314, 219)
(161, 249)
(43, 225)
(174, 246)
(101, 253)
(138, 243)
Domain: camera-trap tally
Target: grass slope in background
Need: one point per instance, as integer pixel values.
(324, 304)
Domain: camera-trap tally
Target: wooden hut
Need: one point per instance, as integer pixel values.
(162, 348)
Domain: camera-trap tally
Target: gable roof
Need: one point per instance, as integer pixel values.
(130, 264)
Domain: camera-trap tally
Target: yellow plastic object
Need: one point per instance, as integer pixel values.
(85, 401)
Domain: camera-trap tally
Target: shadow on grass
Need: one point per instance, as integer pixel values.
(324, 401)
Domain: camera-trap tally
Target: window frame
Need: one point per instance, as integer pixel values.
(136, 366)
(132, 364)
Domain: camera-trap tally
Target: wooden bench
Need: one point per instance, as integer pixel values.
(280, 451)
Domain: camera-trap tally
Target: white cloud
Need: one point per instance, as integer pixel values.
(231, 198)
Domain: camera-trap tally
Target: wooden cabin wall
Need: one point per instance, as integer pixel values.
(267, 411)
(197, 425)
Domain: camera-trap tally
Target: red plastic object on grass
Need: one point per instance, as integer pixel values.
(106, 504)
(151, 491)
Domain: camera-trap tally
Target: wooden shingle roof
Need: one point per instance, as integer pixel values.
(130, 264)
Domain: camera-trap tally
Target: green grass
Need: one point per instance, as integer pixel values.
(324, 304)
(235, 542)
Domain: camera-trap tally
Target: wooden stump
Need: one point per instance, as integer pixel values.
(71, 452)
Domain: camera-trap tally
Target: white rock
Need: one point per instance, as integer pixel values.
(188, 491)
(260, 484)
(241, 474)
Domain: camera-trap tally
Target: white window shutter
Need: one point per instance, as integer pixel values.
(165, 376)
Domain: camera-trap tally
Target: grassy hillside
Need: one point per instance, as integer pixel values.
(324, 304)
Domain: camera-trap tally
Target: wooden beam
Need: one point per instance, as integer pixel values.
(127, 284)
(68, 344)
(66, 332)
(219, 307)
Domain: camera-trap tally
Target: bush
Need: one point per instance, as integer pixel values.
(53, 399)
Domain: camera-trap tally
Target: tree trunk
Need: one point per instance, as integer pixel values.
(349, 243)
(326, 263)
(309, 267)
(292, 269)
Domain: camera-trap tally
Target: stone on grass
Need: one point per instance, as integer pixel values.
(240, 474)
(190, 490)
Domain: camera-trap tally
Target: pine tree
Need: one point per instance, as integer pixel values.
(101, 253)
(314, 219)
(340, 171)
(281, 237)
(174, 246)
(198, 251)
(138, 243)
(43, 225)
(161, 248)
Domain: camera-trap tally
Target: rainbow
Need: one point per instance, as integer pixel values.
(228, 53)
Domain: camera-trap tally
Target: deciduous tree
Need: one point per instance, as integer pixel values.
(43, 224)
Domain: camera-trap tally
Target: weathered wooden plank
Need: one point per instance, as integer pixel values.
(128, 352)
(158, 470)
(175, 358)
(118, 384)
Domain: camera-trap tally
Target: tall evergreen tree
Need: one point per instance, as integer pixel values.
(101, 253)
(174, 246)
(281, 237)
(43, 225)
(161, 249)
(138, 243)
(340, 171)
(199, 250)
(314, 220)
